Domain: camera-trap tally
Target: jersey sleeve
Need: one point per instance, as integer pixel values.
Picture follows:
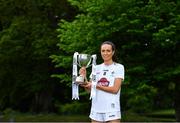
(119, 73)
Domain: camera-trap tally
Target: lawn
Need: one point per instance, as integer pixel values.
(156, 116)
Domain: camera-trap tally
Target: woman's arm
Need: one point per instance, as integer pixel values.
(113, 89)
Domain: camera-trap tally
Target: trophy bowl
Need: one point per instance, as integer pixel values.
(84, 60)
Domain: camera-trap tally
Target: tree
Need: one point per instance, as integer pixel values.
(142, 30)
(27, 38)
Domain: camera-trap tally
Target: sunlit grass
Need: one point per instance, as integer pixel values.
(164, 112)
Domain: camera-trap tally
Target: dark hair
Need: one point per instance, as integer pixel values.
(113, 49)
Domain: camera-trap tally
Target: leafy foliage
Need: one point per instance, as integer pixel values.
(146, 36)
(27, 37)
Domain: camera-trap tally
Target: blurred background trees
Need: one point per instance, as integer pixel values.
(27, 38)
(145, 34)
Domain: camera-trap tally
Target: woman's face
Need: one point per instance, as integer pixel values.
(107, 52)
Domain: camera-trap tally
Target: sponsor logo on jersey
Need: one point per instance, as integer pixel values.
(103, 81)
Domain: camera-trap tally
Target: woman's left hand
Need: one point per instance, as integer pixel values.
(87, 86)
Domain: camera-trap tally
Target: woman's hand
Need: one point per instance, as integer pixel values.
(87, 86)
(82, 71)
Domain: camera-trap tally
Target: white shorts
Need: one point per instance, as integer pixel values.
(105, 116)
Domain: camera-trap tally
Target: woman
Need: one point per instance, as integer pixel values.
(109, 76)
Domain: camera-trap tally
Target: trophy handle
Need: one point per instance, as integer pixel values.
(88, 65)
(79, 64)
(78, 61)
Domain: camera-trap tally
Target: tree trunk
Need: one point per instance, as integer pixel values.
(42, 102)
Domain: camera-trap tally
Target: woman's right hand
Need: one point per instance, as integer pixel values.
(82, 71)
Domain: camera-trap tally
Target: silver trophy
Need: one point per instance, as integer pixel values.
(83, 60)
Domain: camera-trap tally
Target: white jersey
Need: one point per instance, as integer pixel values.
(105, 76)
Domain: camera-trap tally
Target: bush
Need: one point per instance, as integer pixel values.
(73, 108)
(141, 99)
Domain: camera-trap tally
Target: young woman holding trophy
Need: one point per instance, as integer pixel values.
(105, 105)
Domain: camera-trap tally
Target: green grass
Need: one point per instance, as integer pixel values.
(133, 117)
(54, 118)
(164, 115)
(168, 112)
(45, 118)
(156, 116)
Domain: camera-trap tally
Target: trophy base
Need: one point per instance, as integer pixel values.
(81, 83)
(80, 80)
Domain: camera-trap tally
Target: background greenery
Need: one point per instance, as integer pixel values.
(38, 39)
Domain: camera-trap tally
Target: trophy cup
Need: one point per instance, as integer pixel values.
(84, 60)
(81, 60)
